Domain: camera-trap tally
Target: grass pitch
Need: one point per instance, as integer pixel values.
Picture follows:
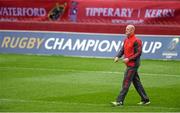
(30, 83)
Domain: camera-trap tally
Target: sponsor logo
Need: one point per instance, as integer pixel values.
(14, 13)
(21, 42)
(57, 12)
(73, 11)
(171, 50)
(109, 12)
(19, 11)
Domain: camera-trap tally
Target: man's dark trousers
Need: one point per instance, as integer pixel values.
(131, 75)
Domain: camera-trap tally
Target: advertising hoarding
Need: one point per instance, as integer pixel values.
(85, 44)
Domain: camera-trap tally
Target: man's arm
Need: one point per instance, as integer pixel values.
(120, 54)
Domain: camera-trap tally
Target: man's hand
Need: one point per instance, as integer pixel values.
(116, 59)
(126, 60)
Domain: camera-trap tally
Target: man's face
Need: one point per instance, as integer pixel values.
(129, 30)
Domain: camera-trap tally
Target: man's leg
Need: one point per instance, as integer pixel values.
(139, 88)
(128, 76)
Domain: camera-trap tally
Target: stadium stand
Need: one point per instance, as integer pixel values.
(152, 26)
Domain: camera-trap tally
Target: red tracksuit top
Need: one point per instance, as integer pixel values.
(132, 50)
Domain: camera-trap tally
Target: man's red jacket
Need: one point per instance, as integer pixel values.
(132, 50)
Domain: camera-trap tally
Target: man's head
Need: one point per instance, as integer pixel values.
(129, 30)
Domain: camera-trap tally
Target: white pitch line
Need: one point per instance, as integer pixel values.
(85, 71)
(87, 104)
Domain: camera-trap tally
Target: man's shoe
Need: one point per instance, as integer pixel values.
(144, 103)
(117, 103)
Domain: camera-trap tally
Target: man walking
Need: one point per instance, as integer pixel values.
(131, 50)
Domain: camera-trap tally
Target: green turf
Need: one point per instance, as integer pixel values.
(70, 84)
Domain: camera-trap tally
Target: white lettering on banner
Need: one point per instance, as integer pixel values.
(157, 46)
(117, 21)
(144, 49)
(104, 48)
(95, 45)
(90, 43)
(68, 45)
(82, 45)
(117, 12)
(79, 45)
(47, 42)
(19, 11)
(58, 43)
(115, 46)
(153, 13)
(153, 46)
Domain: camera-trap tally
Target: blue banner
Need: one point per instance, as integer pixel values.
(85, 44)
